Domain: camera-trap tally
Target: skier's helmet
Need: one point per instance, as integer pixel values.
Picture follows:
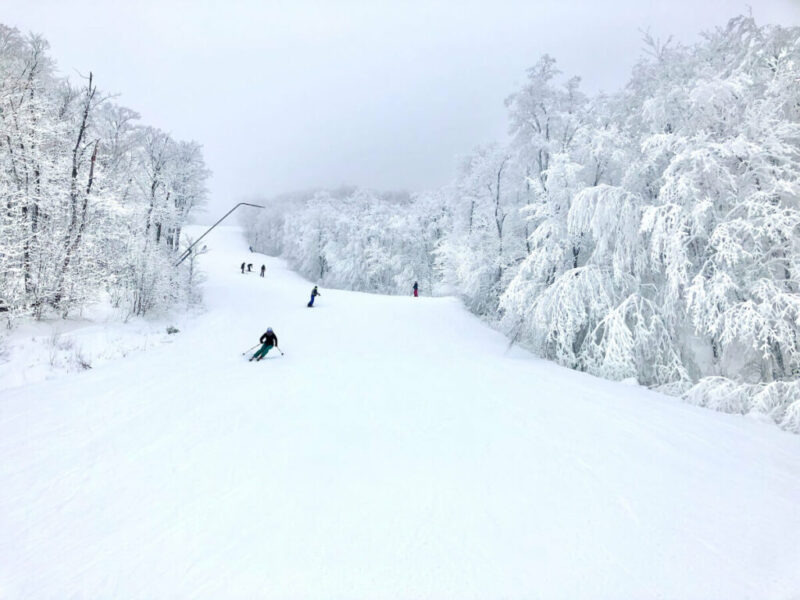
(269, 329)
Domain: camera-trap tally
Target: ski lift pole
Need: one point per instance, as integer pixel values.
(185, 254)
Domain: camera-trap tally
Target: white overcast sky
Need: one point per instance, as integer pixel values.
(299, 94)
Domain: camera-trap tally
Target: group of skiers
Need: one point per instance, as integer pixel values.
(250, 268)
(269, 340)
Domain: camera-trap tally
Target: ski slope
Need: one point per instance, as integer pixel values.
(397, 450)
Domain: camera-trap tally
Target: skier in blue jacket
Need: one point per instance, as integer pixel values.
(314, 294)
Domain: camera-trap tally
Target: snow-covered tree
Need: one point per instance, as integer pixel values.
(92, 202)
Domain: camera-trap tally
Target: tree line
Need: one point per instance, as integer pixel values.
(92, 203)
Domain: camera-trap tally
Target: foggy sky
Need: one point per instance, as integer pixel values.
(299, 94)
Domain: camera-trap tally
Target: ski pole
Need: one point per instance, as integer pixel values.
(279, 350)
(250, 348)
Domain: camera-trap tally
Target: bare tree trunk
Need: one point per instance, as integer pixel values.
(81, 227)
(499, 219)
(153, 189)
(74, 232)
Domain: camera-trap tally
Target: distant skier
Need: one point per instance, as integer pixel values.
(314, 294)
(251, 248)
(268, 341)
(243, 268)
(249, 267)
(263, 269)
(416, 290)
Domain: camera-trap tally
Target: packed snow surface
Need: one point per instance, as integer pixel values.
(397, 450)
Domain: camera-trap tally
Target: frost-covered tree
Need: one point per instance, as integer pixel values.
(353, 238)
(487, 234)
(92, 202)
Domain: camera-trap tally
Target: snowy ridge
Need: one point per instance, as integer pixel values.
(395, 451)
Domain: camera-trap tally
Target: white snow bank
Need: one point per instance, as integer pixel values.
(49, 349)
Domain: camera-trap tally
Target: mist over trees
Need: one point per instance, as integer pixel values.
(93, 203)
(652, 234)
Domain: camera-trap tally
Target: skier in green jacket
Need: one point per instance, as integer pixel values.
(268, 340)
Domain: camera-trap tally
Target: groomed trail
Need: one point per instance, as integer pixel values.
(396, 451)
